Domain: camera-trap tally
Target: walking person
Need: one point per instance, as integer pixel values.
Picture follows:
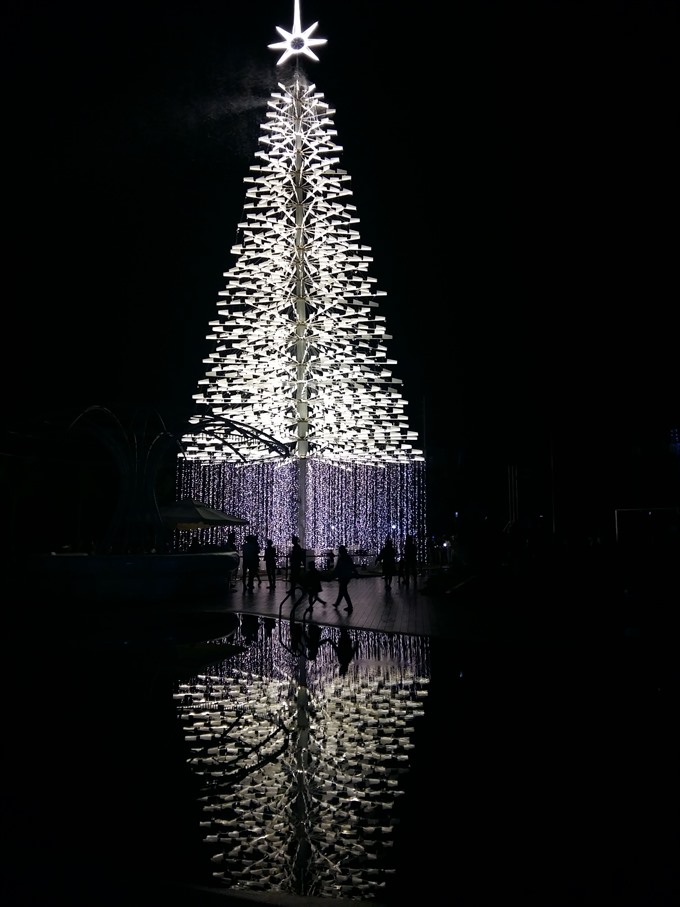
(297, 565)
(344, 571)
(410, 561)
(388, 558)
(270, 559)
(313, 586)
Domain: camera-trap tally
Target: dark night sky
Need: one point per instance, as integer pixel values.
(514, 168)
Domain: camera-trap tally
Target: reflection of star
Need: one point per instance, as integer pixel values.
(297, 41)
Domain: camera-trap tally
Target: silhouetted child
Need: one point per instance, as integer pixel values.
(313, 585)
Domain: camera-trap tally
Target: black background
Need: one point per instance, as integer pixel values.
(514, 171)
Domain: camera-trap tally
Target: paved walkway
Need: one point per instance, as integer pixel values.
(497, 608)
(399, 610)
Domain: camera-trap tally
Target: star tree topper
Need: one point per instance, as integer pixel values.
(297, 41)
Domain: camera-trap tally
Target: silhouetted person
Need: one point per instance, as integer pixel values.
(297, 641)
(388, 558)
(269, 625)
(410, 561)
(313, 585)
(344, 571)
(296, 560)
(313, 633)
(270, 558)
(250, 627)
(345, 650)
(330, 559)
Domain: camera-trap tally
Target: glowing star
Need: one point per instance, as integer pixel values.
(297, 41)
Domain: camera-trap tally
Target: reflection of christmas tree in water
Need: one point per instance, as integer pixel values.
(300, 765)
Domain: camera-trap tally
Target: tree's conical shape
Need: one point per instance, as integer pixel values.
(299, 346)
(299, 383)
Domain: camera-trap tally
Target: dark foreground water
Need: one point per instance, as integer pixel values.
(139, 766)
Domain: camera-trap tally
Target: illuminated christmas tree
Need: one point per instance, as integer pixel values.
(299, 422)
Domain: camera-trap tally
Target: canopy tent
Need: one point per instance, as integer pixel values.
(191, 514)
